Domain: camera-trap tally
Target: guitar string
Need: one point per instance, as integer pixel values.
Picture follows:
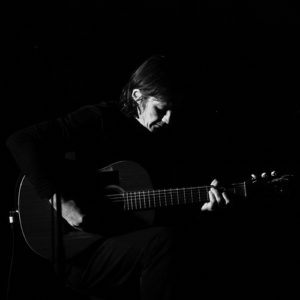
(161, 192)
(149, 195)
(165, 201)
(133, 202)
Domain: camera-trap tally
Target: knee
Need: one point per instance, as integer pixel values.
(165, 240)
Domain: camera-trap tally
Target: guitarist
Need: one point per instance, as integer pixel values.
(58, 156)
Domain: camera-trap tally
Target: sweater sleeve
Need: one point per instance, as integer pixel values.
(40, 149)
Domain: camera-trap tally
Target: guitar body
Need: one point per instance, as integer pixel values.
(36, 214)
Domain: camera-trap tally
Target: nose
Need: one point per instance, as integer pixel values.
(166, 118)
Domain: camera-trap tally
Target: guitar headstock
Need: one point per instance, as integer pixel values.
(271, 183)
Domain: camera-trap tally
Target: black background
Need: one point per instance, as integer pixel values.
(59, 55)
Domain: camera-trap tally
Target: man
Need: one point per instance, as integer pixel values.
(95, 136)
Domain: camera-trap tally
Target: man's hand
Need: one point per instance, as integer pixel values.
(216, 199)
(70, 211)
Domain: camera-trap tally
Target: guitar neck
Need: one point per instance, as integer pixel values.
(149, 199)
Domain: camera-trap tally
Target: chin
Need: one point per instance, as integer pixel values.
(156, 128)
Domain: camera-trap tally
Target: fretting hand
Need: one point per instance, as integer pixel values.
(216, 199)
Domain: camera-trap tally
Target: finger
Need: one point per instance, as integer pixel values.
(225, 197)
(216, 195)
(215, 192)
(214, 182)
(209, 205)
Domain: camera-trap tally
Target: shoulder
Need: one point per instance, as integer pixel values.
(109, 112)
(100, 109)
(92, 114)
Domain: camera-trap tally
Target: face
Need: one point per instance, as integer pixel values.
(154, 114)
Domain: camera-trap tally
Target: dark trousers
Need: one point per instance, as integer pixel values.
(147, 258)
(207, 262)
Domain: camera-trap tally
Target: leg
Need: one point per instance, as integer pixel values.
(145, 254)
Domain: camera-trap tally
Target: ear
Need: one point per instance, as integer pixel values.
(136, 94)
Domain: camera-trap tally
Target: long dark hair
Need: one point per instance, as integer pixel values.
(154, 78)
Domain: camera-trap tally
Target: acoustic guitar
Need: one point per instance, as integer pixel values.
(132, 197)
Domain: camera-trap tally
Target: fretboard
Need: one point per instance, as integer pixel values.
(149, 199)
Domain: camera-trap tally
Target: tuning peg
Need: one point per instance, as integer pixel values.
(273, 173)
(253, 177)
(264, 175)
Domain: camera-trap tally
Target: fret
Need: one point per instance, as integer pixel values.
(135, 200)
(199, 197)
(143, 193)
(126, 201)
(196, 196)
(245, 190)
(159, 201)
(171, 193)
(149, 199)
(166, 203)
(139, 202)
(193, 195)
(136, 195)
(131, 203)
(160, 198)
(153, 201)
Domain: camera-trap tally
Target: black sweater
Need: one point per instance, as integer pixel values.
(73, 146)
(94, 135)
